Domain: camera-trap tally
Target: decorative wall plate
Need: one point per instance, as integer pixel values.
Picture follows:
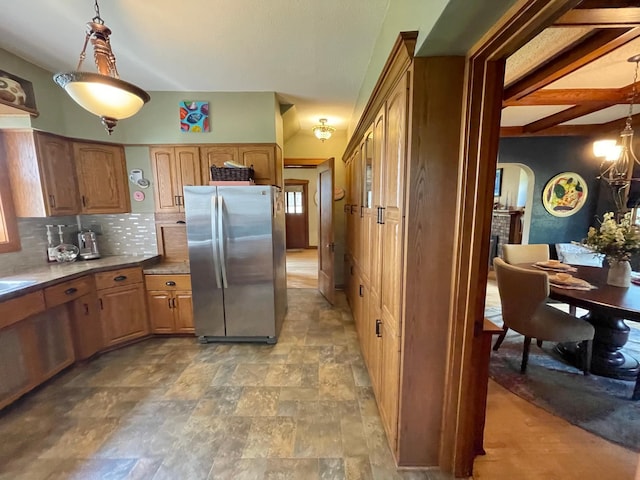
(564, 194)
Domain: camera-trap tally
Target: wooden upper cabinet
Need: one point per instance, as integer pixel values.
(263, 160)
(102, 178)
(59, 177)
(174, 168)
(41, 172)
(216, 156)
(396, 148)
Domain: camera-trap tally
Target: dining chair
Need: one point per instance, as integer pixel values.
(523, 295)
(532, 253)
(516, 253)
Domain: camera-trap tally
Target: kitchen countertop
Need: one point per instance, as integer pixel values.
(169, 268)
(41, 277)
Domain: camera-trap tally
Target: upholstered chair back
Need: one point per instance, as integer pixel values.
(515, 254)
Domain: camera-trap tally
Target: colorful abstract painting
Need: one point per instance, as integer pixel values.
(194, 116)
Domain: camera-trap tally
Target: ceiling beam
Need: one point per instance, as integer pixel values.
(303, 162)
(600, 17)
(568, 96)
(589, 49)
(558, 131)
(564, 116)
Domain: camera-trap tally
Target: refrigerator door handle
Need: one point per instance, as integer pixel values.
(214, 236)
(223, 262)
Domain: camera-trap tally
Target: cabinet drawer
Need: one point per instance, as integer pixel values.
(118, 278)
(168, 282)
(16, 309)
(67, 291)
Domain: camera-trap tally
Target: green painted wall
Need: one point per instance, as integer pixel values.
(138, 157)
(48, 95)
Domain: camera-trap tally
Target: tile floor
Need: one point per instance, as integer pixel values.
(174, 409)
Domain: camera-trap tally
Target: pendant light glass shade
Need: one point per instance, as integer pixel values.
(323, 132)
(102, 93)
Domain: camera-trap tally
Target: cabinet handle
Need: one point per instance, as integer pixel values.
(351, 270)
(86, 308)
(381, 215)
(361, 211)
(70, 291)
(170, 283)
(52, 201)
(378, 323)
(84, 201)
(173, 302)
(101, 306)
(119, 278)
(181, 200)
(169, 302)
(361, 291)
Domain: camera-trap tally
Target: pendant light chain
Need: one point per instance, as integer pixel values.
(633, 95)
(97, 18)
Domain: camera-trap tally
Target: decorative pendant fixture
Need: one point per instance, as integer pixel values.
(323, 132)
(619, 158)
(102, 93)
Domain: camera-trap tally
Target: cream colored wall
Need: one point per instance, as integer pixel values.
(305, 145)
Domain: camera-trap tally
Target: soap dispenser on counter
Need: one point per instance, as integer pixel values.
(51, 244)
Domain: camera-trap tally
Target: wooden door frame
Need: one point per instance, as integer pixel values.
(305, 194)
(480, 132)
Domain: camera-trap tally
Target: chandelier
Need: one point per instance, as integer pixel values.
(102, 93)
(619, 158)
(323, 132)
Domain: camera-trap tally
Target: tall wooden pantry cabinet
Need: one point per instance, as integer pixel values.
(400, 162)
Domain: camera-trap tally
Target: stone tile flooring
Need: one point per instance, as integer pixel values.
(172, 409)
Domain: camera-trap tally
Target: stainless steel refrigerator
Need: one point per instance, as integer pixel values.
(236, 238)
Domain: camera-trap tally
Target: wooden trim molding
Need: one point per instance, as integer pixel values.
(303, 162)
(477, 166)
(9, 235)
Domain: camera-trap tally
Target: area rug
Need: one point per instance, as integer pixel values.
(597, 404)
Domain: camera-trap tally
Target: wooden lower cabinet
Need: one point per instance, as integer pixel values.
(32, 351)
(85, 326)
(123, 313)
(170, 304)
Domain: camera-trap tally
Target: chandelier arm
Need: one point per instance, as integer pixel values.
(83, 53)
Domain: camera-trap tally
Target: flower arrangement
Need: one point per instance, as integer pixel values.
(618, 241)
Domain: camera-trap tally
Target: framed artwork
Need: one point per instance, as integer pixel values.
(497, 189)
(17, 92)
(564, 194)
(194, 116)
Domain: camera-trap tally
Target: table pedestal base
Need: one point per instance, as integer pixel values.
(608, 360)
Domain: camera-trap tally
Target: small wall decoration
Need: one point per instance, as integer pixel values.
(194, 116)
(17, 92)
(564, 194)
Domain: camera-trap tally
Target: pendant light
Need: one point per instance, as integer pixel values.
(619, 158)
(323, 131)
(102, 93)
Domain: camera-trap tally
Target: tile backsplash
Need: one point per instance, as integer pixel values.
(118, 234)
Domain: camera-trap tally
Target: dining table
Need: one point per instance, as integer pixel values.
(608, 309)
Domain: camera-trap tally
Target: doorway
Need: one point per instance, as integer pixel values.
(296, 213)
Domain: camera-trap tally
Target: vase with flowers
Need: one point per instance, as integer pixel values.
(618, 240)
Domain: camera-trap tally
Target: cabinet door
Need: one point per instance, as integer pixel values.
(15, 362)
(85, 326)
(216, 156)
(102, 178)
(123, 313)
(187, 170)
(263, 160)
(165, 185)
(160, 311)
(390, 383)
(58, 174)
(54, 345)
(183, 312)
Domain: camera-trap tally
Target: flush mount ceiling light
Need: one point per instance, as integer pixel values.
(102, 93)
(323, 131)
(619, 159)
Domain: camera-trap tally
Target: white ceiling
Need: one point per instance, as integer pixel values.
(312, 54)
